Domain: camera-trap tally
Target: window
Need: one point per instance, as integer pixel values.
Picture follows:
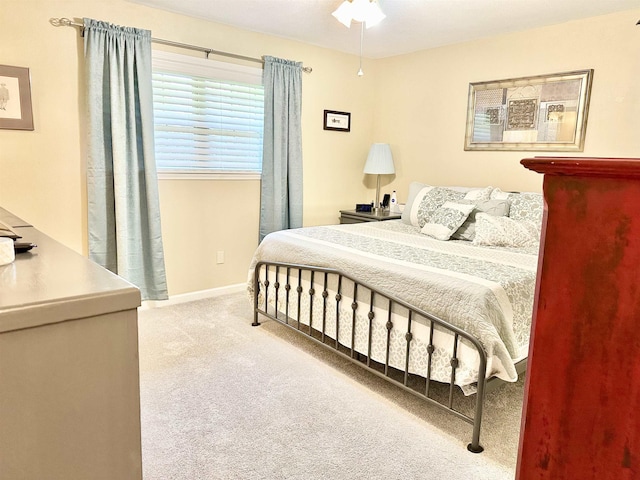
(208, 116)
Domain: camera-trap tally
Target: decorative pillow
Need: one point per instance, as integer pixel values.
(525, 206)
(505, 231)
(444, 221)
(528, 207)
(429, 200)
(414, 189)
(496, 208)
(498, 194)
(479, 194)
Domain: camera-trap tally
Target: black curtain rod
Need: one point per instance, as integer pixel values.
(65, 22)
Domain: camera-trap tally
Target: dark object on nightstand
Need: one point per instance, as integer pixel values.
(363, 207)
(352, 216)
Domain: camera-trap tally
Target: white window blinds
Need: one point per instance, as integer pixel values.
(208, 116)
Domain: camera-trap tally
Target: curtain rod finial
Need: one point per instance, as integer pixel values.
(60, 22)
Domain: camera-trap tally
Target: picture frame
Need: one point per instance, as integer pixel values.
(16, 111)
(337, 121)
(539, 113)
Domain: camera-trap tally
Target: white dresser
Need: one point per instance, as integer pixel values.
(69, 378)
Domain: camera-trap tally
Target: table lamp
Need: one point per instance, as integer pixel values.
(379, 162)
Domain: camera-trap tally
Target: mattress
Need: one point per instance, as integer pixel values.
(485, 291)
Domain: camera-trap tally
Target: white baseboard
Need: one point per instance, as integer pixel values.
(191, 296)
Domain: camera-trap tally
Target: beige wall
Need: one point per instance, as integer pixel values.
(422, 99)
(42, 172)
(415, 102)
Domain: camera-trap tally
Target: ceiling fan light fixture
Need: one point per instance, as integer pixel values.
(364, 11)
(367, 12)
(344, 13)
(373, 13)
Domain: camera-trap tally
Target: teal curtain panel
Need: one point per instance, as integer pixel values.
(281, 187)
(122, 186)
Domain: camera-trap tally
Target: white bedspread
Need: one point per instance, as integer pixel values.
(485, 291)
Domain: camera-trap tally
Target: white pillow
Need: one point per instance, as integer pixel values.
(498, 194)
(414, 190)
(479, 194)
(444, 221)
(505, 232)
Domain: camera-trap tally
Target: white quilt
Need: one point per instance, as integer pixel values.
(486, 291)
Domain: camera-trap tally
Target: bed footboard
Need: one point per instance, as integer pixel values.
(368, 327)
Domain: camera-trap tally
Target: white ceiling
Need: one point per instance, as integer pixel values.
(411, 25)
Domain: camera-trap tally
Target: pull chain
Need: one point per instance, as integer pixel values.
(360, 72)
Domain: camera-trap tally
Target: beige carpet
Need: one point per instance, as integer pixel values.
(223, 400)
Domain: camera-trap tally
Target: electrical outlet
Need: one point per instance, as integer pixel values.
(220, 256)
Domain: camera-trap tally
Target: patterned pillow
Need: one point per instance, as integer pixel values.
(505, 231)
(446, 220)
(497, 208)
(478, 194)
(526, 206)
(430, 199)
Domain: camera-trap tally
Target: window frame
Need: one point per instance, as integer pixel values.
(190, 65)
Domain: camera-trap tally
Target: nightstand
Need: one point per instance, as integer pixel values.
(351, 216)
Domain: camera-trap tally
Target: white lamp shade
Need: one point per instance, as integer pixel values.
(380, 160)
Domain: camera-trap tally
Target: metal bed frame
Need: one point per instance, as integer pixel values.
(293, 291)
(267, 273)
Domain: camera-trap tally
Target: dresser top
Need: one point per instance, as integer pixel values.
(52, 283)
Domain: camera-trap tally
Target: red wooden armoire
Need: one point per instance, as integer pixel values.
(581, 417)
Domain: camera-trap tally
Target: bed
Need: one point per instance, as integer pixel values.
(442, 297)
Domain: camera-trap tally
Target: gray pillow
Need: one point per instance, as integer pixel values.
(496, 208)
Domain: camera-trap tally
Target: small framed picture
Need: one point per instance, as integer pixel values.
(15, 98)
(339, 121)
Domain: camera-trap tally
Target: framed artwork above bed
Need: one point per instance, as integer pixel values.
(545, 113)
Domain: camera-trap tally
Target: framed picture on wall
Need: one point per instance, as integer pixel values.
(15, 98)
(545, 112)
(339, 121)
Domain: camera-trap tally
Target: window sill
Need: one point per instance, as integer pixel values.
(208, 176)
